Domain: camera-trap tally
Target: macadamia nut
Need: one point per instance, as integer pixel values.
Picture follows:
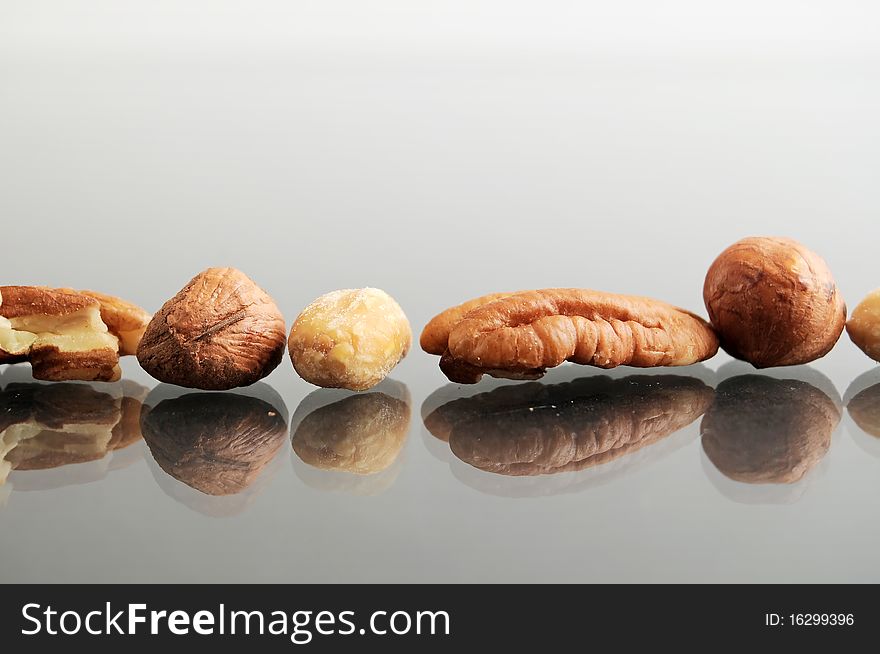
(864, 325)
(350, 338)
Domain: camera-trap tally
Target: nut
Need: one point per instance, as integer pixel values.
(218, 444)
(773, 302)
(46, 426)
(761, 430)
(62, 333)
(219, 332)
(521, 335)
(435, 335)
(124, 320)
(536, 429)
(350, 339)
(361, 434)
(865, 410)
(864, 325)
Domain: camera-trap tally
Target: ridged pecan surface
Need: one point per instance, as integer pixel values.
(523, 334)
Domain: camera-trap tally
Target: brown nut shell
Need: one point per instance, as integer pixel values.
(773, 302)
(521, 335)
(219, 332)
(761, 430)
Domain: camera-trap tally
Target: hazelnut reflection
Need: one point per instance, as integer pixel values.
(351, 441)
(216, 443)
(47, 428)
(764, 430)
(538, 429)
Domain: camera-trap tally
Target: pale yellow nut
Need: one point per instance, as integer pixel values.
(864, 325)
(350, 338)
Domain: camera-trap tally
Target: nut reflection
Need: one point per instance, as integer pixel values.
(537, 429)
(763, 430)
(216, 443)
(360, 434)
(864, 408)
(48, 426)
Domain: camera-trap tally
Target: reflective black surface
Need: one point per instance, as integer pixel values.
(609, 475)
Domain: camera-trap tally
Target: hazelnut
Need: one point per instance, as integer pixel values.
(761, 430)
(864, 325)
(219, 332)
(773, 302)
(218, 444)
(350, 339)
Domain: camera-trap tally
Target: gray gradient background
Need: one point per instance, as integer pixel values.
(440, 151)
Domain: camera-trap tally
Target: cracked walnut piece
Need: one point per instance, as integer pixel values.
(521, 335)
(219, 332)
(67, 334)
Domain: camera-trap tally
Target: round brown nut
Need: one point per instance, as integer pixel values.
(773, 302)
(219, 332)
(351, 338)
(864, 325)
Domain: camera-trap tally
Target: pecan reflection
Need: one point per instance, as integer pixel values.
(216, 443)
(361, 433)
(763, 430)
(534, 429)
(44, 426)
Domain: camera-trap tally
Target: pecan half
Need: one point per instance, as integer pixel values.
(435, 335)
(521, 335)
